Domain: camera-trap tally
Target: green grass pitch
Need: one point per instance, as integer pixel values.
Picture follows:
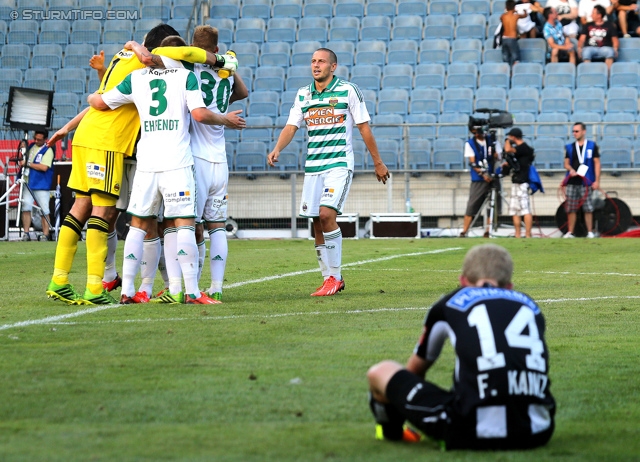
(276, 375)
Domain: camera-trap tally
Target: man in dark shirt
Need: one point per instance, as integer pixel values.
(519, 157)
(599, 39)
(501, 397)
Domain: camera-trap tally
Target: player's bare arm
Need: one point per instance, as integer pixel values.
(144, 56)
(230, 120)
(382, 172)
(240, 90)
(95, 101)
(418, 365)
(97, 63)
(67, 128)
(286, 135)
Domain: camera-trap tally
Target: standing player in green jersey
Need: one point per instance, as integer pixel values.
(330, 107)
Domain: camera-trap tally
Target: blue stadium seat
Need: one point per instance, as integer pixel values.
(313, 29)
(435, 51)
(86, 31)
(624, 74)
(490, 54)
(55, 31)
(251, 156)
(549, 153)
(371, 52)
(393, 101)
(457, 100)
(120, 31)
(344, 28)
(388, 150)
(397, 76)
(73, 80)
(246, 74)
(586, 117)
(491, 97)
(589, 99)
(482, 7)
(426, 100)
(387, 126)
(30, 25)
(429, 76)
(375, 28)
(412, 7)
(425, 131)
(345, 51)
(250, 30)
(619, 124)
(264, 103)
(78, 54)
(256, 9)
(471, 25)
(524, 99)
(41, 79)
(498, 6)
(615, 152)
(366, 76)
(269, 78)
(408, 28)
(559, 125)
(289, 159)
(629, 50)
(439, 26)
(47, 56)
(527, 75)
(556, 99)
(524, 121)
(275, 53)
(462, 75)
(342, 72)
(15, 56)
(359, 155)
(141, 27)
(466, 50)
(110, 49)
(622, 99)
(370, 100)
(402, 52)
(225, 28)
(354, 8)
(301, 52)
(381, 8)
(592, 75)
(259, 128)
(287, 9)
(228, 9)
(247, 53)
(181, 9)
(419, 154)
(93, 5)
(182, 25)
(161, 12)
(443, 7)
(10, 78)
(459, 130)
(281, 30)
(26, 37)
(6, 7)
(298, 76)
(287, 98)
(317, 8)
(66, 104)
(495, 75)
(447, 154)
(560, 75)
(3, 29)
(533, 50)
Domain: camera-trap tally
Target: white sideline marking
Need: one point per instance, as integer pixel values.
(309, 313)
(54, 319)
(583, 273)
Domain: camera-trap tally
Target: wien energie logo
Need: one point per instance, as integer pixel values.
(323, 116)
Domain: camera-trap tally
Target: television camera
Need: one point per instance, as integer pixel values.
(495, 119)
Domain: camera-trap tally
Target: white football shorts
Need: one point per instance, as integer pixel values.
(328, 189)
(212, 180)
(176, 189)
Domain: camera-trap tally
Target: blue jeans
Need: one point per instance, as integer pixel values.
(510, 50)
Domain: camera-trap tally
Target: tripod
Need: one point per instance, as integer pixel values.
(20, 183)
(490, 203)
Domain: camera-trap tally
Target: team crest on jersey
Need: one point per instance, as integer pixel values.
(304, 207)
(117, 187)
(333, 102)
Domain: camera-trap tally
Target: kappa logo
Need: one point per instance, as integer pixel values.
(130, 257)
(217, 258)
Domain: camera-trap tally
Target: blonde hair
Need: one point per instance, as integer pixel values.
(488, 261)
(205, 37)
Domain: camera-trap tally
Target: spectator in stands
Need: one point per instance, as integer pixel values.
(582, 162)
(560, 47)
(479, 149)
(37, 173)
(628, 19)
(527, 24)
(585, 9)
(509, 20)
(518, 159)
(599, 39)
(567, 15)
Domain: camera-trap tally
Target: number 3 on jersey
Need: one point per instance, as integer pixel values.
(524, 319)
(222, 92)
(158, 89)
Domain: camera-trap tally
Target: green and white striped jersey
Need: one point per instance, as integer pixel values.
(329, 116)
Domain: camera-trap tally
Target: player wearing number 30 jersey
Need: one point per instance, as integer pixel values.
(501, 397)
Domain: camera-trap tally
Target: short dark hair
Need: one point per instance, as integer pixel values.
(156, 35)
(582, 125)
(173, 41)
(546, 12)
(510, 5)
(332, 56)
(601, 10)
(44, 133)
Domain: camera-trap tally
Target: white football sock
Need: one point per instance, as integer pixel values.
(110, 271)
(188, 258)
(150, 257)
(321, 253)
(132, 256)
(217, 258)
(202, 254)
(174, 272)
(333, 242)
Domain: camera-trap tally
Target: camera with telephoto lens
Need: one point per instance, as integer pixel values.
(496, 119)
(512, 161)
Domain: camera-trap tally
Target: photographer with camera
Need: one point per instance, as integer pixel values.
(518, 158)
(480, 150)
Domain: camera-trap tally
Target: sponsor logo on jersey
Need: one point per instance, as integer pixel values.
(176, 197)
(323, 116)
(96, 172)
(328, 192)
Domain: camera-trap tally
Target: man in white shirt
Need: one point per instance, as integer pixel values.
(585, 8)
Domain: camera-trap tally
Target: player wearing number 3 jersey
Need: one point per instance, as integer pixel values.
(501, 397)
